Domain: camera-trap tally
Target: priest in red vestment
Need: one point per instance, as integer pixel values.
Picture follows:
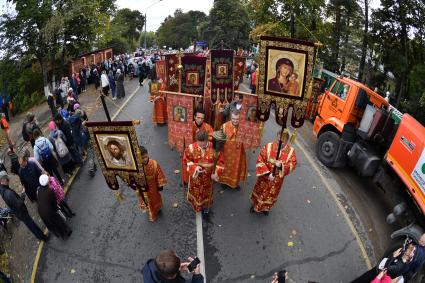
(159, 114)
(156, 182)
(200, 160)
(269, 181)
(235, 167)
(198, 125)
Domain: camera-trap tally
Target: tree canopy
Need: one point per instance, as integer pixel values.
(180, 30)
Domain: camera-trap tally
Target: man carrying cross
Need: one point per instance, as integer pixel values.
(271, 172)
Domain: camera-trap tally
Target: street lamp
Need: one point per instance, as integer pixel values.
(146, 11)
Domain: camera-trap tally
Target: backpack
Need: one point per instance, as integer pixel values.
(44, 152)
(25, 134)
(61, 147)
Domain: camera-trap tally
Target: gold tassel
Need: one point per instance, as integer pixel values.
(293, 136)
(119, 196)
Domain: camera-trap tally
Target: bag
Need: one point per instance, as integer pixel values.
(25, 134)
(45, 152)
(14, 162)
(61, 147)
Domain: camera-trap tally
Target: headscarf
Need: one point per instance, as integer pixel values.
(52, 126)
(43, 180)
(76, 106)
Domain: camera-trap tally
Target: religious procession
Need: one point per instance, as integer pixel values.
(212, 141)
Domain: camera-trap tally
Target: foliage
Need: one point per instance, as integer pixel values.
(228, 22)
(180, 30)
(22, 83)
(128, 24)
(151, 40)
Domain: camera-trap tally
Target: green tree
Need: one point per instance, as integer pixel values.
(398, 34)
(128, 24)
(180, 30)
(151, 40)
(42, 29)
(228, 21)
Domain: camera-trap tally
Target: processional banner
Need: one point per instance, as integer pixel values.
(238, 71)
(221, 75)
(250, 128)
(284, 74)
(171, 69)
(193, 74)
(116, 147)
(180, 120)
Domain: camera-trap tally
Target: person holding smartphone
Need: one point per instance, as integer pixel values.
(167, 267)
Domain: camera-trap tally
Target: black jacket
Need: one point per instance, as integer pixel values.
(66, 129)
(150, 275)
(14, 202)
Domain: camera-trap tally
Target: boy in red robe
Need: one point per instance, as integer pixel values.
(199, 158)
(198, 125)
(156, 181)
(269, 181)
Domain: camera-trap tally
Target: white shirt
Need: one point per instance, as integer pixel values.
(104, 79)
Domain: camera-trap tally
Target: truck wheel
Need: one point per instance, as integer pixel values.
(327, 148)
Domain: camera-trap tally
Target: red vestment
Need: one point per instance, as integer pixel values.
(159, 114)
(266, 192)
(200, 192)
(206, 127)
(235, 168)
(156, 179)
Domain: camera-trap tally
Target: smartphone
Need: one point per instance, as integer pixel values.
(281, 276)
(194, 263)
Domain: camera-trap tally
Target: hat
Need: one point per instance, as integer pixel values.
(76, 106)
(44, 180)
(3, 174)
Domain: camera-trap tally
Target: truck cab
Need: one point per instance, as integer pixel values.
(345, 115)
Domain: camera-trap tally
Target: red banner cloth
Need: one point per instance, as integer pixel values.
(249, 131)
(161, 70)
(238, 71)
(180, 120)
(172, 76)
(193, 74)
(221, 75)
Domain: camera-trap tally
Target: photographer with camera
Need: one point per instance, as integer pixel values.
(167, 266)
(393, 267)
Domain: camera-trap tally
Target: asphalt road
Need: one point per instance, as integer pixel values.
(112, 240)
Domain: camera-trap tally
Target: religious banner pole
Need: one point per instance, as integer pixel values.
(102, 97)
(279, 148)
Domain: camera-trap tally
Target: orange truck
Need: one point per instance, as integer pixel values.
(355, 126)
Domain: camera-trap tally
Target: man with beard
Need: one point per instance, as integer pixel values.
(199, 157)
(235, 168)
(117, 154)
(271, 172)
(151, 200)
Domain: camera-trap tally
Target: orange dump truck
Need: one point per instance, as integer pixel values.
(355, 126)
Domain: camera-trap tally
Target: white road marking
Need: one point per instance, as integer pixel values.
(200, 244)
(125, 103)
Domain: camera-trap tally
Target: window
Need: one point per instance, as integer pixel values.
(341, 90)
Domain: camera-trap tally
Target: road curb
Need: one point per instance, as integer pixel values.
(66, 189)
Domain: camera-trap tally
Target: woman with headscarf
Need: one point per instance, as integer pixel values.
(48, 210)
(71, 100)
(119, 78)
(57, 189)
(281, 82)
(58, 139)
(112, 84)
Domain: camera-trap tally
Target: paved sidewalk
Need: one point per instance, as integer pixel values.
(20, 256)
